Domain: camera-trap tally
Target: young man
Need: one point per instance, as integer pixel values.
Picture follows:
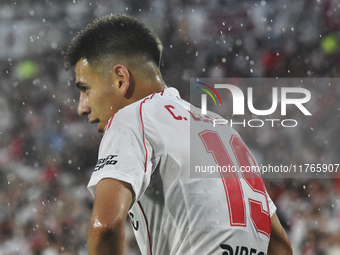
(143, 166)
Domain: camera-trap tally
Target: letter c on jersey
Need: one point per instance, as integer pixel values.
(168, 107)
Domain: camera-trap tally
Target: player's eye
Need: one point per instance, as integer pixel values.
(84, 89)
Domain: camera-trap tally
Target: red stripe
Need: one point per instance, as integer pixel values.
(147, 227)
(152, 95)
(108, 124)
(141, 119)
(145, 168)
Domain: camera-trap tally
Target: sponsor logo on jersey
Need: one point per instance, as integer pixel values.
(109, 160)
(240, 250)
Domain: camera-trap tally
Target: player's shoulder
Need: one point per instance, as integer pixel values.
(163, 97)
(132, 115)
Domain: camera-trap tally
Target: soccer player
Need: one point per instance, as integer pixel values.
(143, 167)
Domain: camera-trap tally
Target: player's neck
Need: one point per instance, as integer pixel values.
(145, 88)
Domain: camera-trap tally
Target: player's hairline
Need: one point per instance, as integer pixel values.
(74, 53)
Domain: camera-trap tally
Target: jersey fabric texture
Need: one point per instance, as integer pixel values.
(150, 144)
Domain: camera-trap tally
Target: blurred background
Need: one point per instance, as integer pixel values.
(47, 152)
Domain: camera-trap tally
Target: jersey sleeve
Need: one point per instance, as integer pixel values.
(124, 154)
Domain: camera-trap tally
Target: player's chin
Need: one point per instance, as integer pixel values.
(100, 129)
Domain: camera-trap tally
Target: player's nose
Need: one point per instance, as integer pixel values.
(83, 106)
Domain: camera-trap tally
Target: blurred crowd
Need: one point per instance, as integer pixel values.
(47, 152)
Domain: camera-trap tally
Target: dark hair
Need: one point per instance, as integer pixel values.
(113, 35)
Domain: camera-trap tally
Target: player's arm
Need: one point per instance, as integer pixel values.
(112, 201)
(279, 243)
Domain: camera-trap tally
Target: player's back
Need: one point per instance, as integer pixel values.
(187, 209)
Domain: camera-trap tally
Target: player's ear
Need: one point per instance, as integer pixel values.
(122, 78)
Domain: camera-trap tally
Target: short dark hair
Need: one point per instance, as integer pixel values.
(111, 35)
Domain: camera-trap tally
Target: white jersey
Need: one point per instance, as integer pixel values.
(147, 144)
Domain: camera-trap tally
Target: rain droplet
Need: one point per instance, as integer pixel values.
(54, 45)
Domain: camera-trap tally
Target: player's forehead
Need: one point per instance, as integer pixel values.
(82, 67)
(83, 71)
